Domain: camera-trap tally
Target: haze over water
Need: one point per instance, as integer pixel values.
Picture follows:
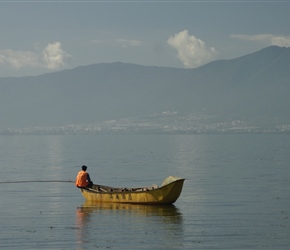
(236, 193)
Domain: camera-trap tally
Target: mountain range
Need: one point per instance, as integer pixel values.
(253, 89)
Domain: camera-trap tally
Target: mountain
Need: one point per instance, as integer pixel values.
(253, 88)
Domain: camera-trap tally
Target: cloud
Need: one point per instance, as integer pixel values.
(52, 57)
(18, 59)
(124, 43)
(269, 39)
(192, 52)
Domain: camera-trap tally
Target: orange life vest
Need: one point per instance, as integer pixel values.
(81, 180)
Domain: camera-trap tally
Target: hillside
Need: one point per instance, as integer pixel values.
(254, 89)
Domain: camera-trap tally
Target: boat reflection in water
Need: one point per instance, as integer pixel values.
(117, 224)
(169, 211)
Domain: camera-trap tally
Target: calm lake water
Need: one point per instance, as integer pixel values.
(236, 194)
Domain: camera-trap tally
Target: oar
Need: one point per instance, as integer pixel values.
(9, 182)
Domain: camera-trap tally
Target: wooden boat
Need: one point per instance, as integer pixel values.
(167, 193)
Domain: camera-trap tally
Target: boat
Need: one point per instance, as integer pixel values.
(166, 194)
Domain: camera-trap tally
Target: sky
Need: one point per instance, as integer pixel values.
(39, 37)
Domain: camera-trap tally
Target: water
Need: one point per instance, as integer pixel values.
(236, 193)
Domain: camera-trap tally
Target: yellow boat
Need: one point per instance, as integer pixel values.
(167, 193)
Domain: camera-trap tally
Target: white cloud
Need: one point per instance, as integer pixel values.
(52, 57)
(269, 39)
(191, 51)
(18, 59)
(124, 43)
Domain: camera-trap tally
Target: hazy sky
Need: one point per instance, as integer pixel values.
(45, 36)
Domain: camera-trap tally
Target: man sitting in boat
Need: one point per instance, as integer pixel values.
(83, 179)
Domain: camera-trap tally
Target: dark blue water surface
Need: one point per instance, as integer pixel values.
(236, 194)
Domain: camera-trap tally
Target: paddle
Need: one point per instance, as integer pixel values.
(9, 182)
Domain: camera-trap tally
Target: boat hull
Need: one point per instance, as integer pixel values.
(168, 193)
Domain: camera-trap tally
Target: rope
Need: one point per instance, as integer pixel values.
(8, 182)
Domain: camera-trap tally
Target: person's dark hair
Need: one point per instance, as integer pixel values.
(84, 167)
